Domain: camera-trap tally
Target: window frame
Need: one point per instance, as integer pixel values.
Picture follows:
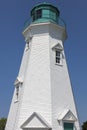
(37, 14)
(68, 122)
(58, 57)
(17, 92)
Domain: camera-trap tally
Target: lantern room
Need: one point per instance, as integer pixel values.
(45, 13)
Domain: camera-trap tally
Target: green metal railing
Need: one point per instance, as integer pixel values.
(58, 21)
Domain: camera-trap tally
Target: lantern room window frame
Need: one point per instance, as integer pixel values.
(37, 14)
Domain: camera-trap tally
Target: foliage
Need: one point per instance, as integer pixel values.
(2, 123)
(84, 126)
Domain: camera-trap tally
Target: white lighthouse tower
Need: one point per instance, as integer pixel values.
(43, 97)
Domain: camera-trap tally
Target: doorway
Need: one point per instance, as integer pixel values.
(68, 126)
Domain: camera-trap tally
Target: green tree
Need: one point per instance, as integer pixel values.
(2, 123)
(84, 126)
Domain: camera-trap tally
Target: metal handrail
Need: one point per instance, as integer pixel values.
(59, 21)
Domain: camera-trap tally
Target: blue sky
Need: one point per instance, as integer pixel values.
(13, 14)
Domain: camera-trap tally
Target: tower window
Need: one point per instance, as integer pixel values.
(17, 92)
(58, 56)
(37, 14)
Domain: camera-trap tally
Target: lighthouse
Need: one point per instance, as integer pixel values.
(43, 97)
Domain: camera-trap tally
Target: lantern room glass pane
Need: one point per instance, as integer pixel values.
(37, 14)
